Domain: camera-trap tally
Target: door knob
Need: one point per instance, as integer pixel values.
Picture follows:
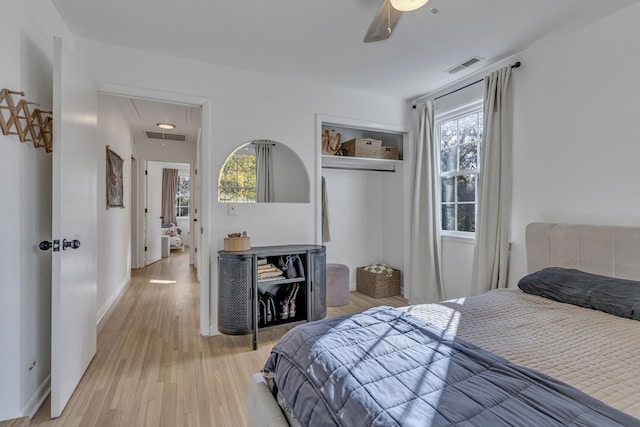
(45, 245)
(74, 244)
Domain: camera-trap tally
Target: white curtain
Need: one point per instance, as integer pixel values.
(491, 253)
(264, 172)
(425, 283)
(169, 188)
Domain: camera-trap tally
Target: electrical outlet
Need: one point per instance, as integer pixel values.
(232, 210)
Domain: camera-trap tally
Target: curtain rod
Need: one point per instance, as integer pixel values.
(516, 65)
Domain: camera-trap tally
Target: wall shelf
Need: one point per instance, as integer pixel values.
(359, 163)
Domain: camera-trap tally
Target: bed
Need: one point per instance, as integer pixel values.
(174, 234)
(579, 365)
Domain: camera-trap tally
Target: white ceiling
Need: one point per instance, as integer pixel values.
(144, 115)
(321, 40)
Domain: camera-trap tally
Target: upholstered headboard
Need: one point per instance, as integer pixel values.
(606, 250)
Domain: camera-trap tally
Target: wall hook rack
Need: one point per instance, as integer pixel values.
(36, 126)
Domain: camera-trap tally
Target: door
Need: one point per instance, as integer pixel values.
(153, 216)
(74, 218)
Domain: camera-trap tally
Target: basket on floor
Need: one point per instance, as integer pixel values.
(378, 284)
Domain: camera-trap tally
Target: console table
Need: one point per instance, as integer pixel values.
(241, 293)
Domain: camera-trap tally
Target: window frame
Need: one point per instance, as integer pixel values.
(188, 206)
(452, 114)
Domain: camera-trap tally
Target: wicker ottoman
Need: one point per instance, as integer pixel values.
(337, 285)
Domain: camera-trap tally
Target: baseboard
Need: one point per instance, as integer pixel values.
(213, 330)
(38, 398)
(112, 299)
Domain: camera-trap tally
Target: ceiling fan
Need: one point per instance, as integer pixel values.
(387, 17)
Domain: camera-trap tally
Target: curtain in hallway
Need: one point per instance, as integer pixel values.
(425, 282)
(169, 187)
(491, 252)
(264, 172)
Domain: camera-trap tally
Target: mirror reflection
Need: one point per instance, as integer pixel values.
(263, 171)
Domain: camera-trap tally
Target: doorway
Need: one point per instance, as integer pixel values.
(142, 111)
(167, 230)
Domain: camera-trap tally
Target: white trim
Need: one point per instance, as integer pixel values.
(349, 123)
(477, 105)
(38, 398)
(112, 299)
(458, 237)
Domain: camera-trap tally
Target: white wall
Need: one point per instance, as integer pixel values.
(575, 147)
(575, 99)
(25, 283)
(245, 106)
(114, 224)
(355, 204)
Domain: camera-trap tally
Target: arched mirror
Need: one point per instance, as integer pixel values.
(263, 171)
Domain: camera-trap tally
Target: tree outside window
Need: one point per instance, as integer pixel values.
(459, 141)
(237, 183)
(182, 196)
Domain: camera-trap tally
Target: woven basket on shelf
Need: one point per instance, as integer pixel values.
(362, 147)
(389, 153)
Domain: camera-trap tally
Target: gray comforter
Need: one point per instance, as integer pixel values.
(384, 367)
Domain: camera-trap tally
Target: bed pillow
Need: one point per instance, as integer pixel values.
(619, 297)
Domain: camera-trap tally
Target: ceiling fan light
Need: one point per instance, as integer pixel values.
(167, 126)
(408, 5)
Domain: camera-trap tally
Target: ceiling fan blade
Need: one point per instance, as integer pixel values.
(386, 18)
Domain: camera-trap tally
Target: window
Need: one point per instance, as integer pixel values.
(182, 196)
(237, 181)
(459, 141)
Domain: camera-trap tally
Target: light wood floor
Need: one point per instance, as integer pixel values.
(153, 368)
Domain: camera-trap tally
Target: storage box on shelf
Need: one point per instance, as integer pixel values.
(362, 147)
(390, 153)
(378, 285)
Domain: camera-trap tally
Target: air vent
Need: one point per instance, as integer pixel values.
(166, 136)
(467, 63)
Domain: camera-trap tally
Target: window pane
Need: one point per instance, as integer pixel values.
(468, 156)
(448, 134)
(447, 190)
(466, 188)
(182, 211)
(459, 143)
(238, 178)
(449, 217)
(467, 217)
(468, 128)
(448, 161)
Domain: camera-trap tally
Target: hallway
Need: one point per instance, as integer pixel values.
(153, 368)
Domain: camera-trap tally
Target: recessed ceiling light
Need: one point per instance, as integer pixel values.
(408, 5)
(166, 125)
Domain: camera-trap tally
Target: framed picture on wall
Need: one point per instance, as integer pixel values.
(114, 180)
